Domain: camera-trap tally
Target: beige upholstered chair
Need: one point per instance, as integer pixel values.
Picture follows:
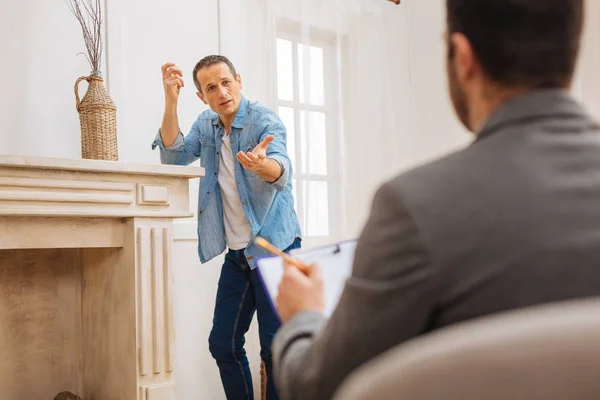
(548, 352)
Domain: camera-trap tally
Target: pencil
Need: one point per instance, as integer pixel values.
(262, 242)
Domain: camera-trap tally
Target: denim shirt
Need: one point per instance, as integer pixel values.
(269, 207)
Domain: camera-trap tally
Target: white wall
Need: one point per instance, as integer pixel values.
(587, 83)
(434, 127)
(428, 127)
(142, 36)
(415, 122)
(39, 40)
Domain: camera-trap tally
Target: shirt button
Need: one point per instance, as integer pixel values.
(200, 212)
(215, 173)
(207, 192)
(243, 202)
(238, 182)
(217, 153)
(251, 221)
(203, 142)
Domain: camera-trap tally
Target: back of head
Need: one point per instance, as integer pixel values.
(531, 43)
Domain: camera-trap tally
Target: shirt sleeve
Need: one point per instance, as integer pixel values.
(184, 151)
(277, 149)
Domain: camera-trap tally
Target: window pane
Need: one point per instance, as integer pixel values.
(315, 76)
(316, 208)
(317, 87)
(285, 77)
(287, 117)
(313, 143)
(300, 73)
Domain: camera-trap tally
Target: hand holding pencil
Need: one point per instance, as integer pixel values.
(301, 288)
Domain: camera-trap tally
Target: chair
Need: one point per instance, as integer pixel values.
(548, 352)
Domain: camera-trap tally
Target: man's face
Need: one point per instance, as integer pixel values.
(457, 94)
(220, 89)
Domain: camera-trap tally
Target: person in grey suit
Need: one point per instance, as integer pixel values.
(511, 221)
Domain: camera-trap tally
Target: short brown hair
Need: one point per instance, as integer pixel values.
(207, 62)
(534, 43)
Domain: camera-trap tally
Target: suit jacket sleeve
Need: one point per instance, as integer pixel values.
(387, 300)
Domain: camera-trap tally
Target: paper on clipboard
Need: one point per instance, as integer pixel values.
(336, 266)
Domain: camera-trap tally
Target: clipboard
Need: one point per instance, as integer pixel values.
(336, 265)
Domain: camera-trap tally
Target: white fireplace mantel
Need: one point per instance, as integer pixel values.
(85, 277)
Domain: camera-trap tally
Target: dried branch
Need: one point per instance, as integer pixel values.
(89, 16)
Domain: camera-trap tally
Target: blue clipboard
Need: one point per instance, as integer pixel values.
(336, 265)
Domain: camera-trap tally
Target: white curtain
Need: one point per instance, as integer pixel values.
(367, 67)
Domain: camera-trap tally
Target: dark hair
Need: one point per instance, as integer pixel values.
(207, 62)
(521, 42)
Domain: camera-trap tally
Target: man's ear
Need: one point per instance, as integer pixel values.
(238, 78)
(463, 57)
(201, 97)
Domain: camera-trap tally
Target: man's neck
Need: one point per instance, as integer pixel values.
(489, 102)
(228, 121)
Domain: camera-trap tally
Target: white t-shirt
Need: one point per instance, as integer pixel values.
(237, 229)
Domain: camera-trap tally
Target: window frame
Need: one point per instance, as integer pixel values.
(330, 109)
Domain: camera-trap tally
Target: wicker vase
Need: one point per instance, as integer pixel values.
(98, 118)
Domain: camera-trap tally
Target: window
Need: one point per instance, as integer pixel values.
(305, 93)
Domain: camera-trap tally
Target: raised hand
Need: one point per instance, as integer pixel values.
(172, 81)
(255, 160)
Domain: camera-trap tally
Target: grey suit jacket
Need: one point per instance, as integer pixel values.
(511, 221)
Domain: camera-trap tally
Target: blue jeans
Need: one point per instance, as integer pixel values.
(239, 294)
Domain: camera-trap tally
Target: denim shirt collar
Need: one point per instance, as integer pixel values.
(240, 116)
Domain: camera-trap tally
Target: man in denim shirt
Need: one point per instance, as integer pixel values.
(246, 192)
